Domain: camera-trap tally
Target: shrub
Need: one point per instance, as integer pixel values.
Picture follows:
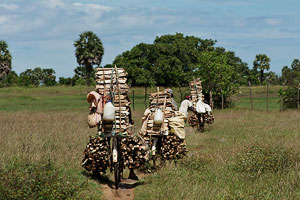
(36, 181)
(290, 96)
(255, 160)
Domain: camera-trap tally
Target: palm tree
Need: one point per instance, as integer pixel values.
(89, 52)
(5, 60)
(262, 62)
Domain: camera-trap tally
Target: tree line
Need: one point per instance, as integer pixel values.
(171, 60)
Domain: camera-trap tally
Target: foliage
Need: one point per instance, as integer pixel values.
(5, 60)
(89, 52)
(290, 97)
(12, 79)
(256, 160)
(291, 78)
(217, 74)
(174, 60)
(138, 63)
(261, 62)
(169, 61)
(37, 77)
(66, 81)
(36, 181)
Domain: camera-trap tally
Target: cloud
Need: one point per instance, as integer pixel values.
(273, 21)
(53, 3)
(121, 26)
(92, 6)
(9, 6)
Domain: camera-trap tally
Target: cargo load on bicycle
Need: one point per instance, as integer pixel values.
(202, 112)
(163, 127)
(115, 146)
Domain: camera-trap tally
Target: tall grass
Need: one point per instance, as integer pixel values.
(210, 170)
(48, 125)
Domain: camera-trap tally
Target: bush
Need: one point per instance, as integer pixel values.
(290, 97)
(36, 181)
(256, 160)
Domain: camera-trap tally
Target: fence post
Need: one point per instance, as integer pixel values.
(133, 99)
(237, 99)
(267, 96)
(280, 102)
(145, 100)
(222, 100)
(298, 96)
(250, 94)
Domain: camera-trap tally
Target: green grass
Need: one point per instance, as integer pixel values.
(210, 170)
(42, 124)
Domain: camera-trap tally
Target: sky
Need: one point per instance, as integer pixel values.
(41, 33)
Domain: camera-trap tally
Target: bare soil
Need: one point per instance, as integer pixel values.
(125, 191)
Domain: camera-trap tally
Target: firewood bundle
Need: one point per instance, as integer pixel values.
(114, 80)
(163, 101)
(135, 152)
(209, 118)
(196, 94)
(173, 147)
(193, 120)
(196, 91)
(96, 155)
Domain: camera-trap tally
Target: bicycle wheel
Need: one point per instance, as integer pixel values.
(117, 174)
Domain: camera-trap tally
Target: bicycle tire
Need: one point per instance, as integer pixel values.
(117, 175)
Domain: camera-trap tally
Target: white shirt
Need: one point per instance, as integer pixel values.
(185, 104)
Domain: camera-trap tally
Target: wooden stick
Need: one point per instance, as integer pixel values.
(117, 76)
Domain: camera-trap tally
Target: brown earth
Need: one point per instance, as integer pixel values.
(125, 191)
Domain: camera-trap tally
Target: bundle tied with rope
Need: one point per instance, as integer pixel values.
(196, 95)
(112, 90)
(173, 144)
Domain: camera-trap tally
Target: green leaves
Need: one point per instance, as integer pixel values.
(5, 60)
(261, 62)
(89, 52)
(37, 76)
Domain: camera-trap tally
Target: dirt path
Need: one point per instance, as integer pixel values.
(125, 191)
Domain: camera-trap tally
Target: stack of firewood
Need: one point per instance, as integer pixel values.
(114, 80)
(173, 147)
(135, 152)
(193, 120)
(196, 94)
(209, 118)
(196, 91)
(96, 155)
(163, 101)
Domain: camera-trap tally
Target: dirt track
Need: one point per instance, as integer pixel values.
(125, 191)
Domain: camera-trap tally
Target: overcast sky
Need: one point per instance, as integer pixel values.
(41, 33)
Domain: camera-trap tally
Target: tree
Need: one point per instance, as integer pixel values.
(37, 77)
(261, 62)
(5, 60)
(217, 74)
(89, 52)
(12, 79)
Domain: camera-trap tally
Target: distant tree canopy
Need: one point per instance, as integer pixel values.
(5, 60)
(169, 61)
(37, 77)
(174, 60)
(89, 52)
(291, 78)
(261, 62)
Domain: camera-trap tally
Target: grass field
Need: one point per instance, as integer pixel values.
(245, 154)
